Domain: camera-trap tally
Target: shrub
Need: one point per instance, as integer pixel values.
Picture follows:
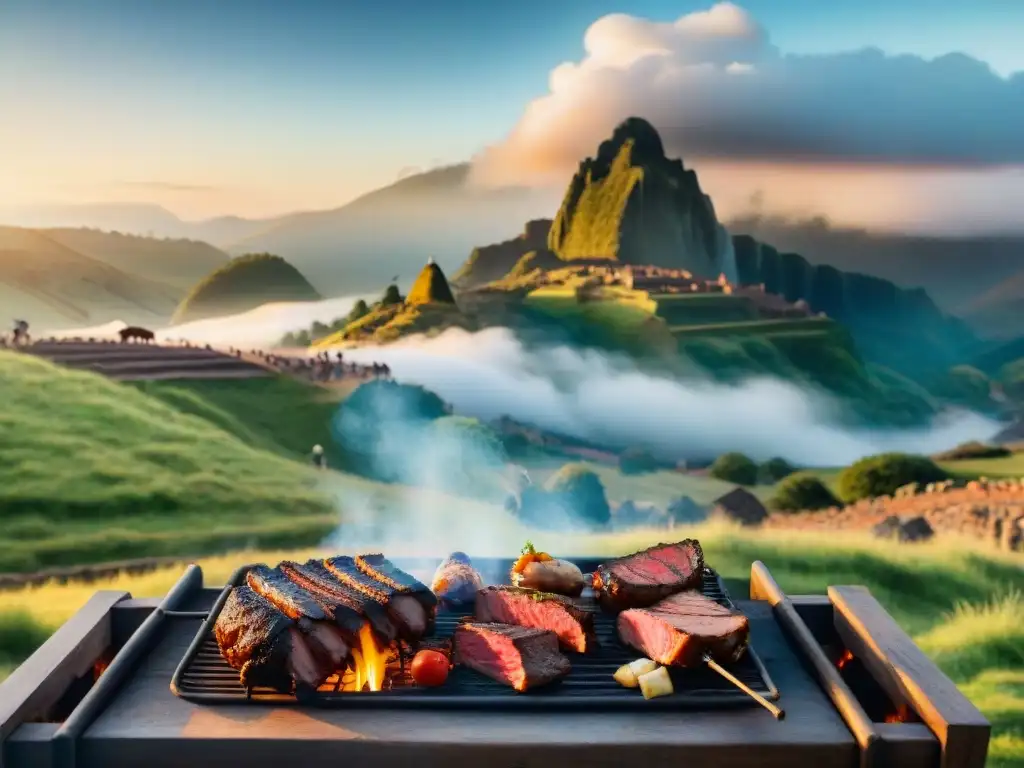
(881, 475)
(359, 310)
(974, 450)
(581, 493)
(637, 461)
(734, 468)
(774, 470)
(802, 491)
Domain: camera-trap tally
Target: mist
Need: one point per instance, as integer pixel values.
(592, 396)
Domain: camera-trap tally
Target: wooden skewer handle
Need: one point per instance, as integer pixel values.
(777, 712)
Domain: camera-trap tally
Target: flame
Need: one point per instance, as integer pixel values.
(369, 663)
(845, 659)
(99, 668)
(901, 715)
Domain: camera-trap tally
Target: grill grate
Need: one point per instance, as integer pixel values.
(204, 676)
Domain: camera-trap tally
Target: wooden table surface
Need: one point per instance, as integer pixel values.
(147, 726)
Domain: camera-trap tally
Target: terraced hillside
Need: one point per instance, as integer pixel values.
(141, 362)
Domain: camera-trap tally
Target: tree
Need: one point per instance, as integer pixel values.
(391, 296)
(359, 310)
(773, 470)
(881, 475)
(637, 461)
(580, 491)
(734, 468)
(802, 492)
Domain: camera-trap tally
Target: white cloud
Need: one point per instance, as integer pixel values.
(715, 87)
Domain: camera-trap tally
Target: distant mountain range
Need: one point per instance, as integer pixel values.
(390, 232)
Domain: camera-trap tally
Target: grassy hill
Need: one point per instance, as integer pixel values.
(242, 284)
(47, 283)
(963, 605)
(93, 470)
(175, 262)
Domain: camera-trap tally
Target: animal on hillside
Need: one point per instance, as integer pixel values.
(134, 332)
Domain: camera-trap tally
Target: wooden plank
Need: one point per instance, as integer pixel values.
(39, 682)
(908, 745)
(910, 677)
(764, 587)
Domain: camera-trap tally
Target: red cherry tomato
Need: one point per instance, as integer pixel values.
(430, 668)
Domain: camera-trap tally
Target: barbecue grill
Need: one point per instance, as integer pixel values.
(857, 692)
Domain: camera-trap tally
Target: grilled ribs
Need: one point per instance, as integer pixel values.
(313, 615)
(264, 644)
(407, 605)
(646, 577)
(517, 656)
(572, 625)
(680, 629)
(317, 580)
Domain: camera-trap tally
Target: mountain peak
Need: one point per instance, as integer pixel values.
(431, 287)
(647, 146)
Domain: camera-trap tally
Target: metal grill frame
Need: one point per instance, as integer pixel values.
(500, 698)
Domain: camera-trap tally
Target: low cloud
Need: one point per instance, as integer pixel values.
(591, 396)
(166, 186)
(715, 87)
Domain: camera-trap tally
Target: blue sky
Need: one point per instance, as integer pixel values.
(256, 106)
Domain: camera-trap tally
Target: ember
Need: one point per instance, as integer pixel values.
(845, 659)
(901, 715)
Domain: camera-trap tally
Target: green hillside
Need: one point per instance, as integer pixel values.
(175, 262)
(242, 284)
(430, 287)
(94, 470)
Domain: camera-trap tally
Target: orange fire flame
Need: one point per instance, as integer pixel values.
(901, 715)
(845, 659)
(369, 663)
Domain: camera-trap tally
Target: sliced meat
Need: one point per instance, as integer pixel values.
(383, 570)
(572, 625)
(263, 643)
(312, 615)
(351, 609)
(680, 629)
(406, 610)
(521, 657)
(646, 577)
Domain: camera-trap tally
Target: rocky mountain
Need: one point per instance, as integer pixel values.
(632, 204)
(242, 284)
(488, 263)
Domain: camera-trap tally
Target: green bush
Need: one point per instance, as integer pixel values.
(581, 493)
(774, 470)
(974, 450)
(637, 461)
(734, 468)
(802, 492)
(881, 475)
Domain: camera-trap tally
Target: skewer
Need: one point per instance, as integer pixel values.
(777, 712)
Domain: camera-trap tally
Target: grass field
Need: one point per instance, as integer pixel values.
(963, 604)
(94, 470)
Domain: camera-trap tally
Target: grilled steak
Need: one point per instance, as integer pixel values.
(350, 608)
(264, 644)
(517, 656)
(312, 614)
(680, 629)
(572, 625)
(405, 605)
(646, 577)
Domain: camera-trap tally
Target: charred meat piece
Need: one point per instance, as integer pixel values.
(456, 582)
(406, 609)
(646, 577)
(383, 570)
(312, 615)
(572, 625)
(264, 644)
(521, 657)
(349, 607)
(680, 629)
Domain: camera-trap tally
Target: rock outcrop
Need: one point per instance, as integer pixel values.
(488, 263)
(631, 204)
(431, 287)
